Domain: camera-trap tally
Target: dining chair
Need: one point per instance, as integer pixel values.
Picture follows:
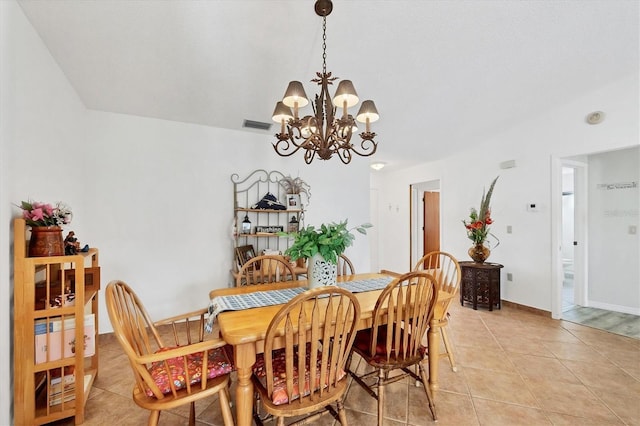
(446, 270)
(307, 343)
(168, 375)
(345, 267)
(401, 318)
(265, 269)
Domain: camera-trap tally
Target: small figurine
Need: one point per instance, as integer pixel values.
(71, 244)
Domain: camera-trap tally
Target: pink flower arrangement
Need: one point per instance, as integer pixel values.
(479, 221)
(42, 214)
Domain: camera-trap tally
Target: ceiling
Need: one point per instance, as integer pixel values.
(443, 74)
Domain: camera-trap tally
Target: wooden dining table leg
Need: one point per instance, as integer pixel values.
(434, 354)
(244, 357)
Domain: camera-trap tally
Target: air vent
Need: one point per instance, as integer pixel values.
(250, 124)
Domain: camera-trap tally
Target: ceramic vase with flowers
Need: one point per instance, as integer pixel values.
(478, 227)
(45, 221)
(322, 246)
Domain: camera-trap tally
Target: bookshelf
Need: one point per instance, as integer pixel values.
(55, 307)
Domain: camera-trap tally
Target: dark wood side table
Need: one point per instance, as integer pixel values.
(480, 284)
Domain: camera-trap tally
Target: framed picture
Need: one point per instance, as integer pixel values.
(244, 253)
(293, 202)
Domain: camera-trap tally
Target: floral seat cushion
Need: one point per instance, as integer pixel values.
(217, 364)
(279, 395)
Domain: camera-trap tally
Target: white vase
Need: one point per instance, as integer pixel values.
(321, 272)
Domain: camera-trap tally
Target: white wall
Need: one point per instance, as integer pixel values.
(526, 253)
(159, 204)
(614, 269)
(42, 135)
(7, 51)
(393, 197)
(153, 196)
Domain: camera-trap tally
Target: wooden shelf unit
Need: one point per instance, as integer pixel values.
(247, 192)
(38, 282)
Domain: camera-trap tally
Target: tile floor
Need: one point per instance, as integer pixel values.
(515, 368)
(615, 322)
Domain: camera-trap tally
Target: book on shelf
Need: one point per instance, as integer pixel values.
(62, 344)
(63, 389)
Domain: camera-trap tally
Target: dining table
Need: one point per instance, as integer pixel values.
(245, 330)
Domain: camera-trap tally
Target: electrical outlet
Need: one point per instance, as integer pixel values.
(509, 230)
(509, 276)
(633, 229)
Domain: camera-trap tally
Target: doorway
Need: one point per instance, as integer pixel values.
(424, 219)
(568, 240)
(571, 258)
(604, 245)
(611, 300)
(431, 222)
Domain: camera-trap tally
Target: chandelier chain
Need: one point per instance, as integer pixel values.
(324, 44)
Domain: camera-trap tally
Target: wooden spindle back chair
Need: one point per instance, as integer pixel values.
(302, 370)
(265, 269)
(401, 317)
(345, 267)
(446, 270)
(168, 375)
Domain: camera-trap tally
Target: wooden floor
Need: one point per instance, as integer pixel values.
(515, 368)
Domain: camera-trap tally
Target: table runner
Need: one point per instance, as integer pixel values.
(258, 299)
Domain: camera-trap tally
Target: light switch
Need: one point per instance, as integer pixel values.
(508, 229)
(633, 229)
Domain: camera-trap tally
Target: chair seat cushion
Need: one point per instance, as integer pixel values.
(217, 364)
(362, 344)
(279, 395)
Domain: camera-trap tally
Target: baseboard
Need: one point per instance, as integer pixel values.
(526, 308)
(615, 308)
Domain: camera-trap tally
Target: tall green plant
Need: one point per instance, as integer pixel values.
(330, 240)
(485, 208)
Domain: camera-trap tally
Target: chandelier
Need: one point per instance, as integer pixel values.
(324, 132)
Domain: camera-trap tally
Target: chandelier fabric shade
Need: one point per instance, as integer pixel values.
(295, 95)
(345, 94)
(367, 114)
(329, 129)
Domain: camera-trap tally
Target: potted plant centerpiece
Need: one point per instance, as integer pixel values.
(322, 246)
